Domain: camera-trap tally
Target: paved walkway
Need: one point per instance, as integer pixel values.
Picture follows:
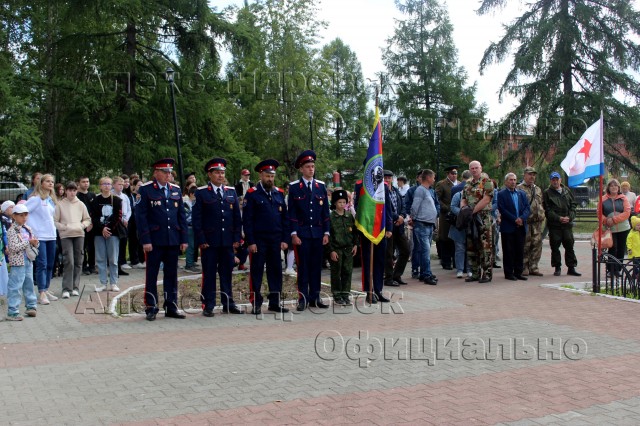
(501, 353)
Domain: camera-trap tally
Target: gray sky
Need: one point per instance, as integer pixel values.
(365, 25)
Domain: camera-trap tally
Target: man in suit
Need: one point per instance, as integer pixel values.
(162, 228)
(244, 183)
(514, 211)
(309, 226)
(393, 274)
(217, 230)
(265, 224)
(443, 191)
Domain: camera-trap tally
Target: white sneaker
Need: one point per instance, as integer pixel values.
(114, 288)
(470, 274)
(65, 294)
(125, 266)
(75, 293)
(290, 271)
(459, 274)
(43, 300)
(100, 288)
(51, 296)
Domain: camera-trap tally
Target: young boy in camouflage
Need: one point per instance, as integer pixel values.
(343, 244)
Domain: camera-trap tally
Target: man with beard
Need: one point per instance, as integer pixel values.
(264, 220)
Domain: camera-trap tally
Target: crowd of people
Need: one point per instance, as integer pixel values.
(156, 221)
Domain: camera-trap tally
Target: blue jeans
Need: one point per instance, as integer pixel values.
(424, 235)
(462, 265)
(44, 264)
(415, 259)
(190, 248)
(21, 282)
(107, 250)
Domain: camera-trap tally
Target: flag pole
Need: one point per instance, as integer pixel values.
(369, 292)
(600, 194)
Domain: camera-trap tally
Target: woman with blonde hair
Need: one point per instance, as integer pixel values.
(42, 206)
(106, 213)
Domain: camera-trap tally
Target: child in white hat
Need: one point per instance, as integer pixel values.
(20, 239)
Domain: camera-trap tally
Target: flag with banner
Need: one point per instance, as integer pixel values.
(586, 158)
(370, 215)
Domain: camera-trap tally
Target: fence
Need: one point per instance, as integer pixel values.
(620, 278)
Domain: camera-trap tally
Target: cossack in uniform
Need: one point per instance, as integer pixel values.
(162, 223)
(265, 224)
(309, 220)
(216, 222)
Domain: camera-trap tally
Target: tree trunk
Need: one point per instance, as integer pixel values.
(128, 99)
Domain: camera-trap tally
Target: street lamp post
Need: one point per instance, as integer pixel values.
(311, 128)
(175, 125)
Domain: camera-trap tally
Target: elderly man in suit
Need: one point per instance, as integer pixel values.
(514, 211)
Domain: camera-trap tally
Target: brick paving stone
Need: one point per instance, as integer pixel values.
(234, 368)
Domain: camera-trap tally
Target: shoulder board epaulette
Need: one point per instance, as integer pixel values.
(252, 189)
(149, 182)
(229, 187)
(203, 187)
(319, 181)
(173, 184)
(280, 190)
(294, 182)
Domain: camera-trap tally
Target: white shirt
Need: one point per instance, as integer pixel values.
(126, 206)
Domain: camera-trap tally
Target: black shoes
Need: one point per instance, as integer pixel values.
(470, 279)
(400, 281)
(392, 284)
(572, 271)
(151, 316)
(484, 280)
(232, 310)
(382, 299)
(318, 304)
(276, 308)
(511, 278)
(174, 314)
(301, 306)
(521, 277)
(557, 272)
(122, 273)
(495, 265)
(447, 267)
(208, 313)
(256, 310)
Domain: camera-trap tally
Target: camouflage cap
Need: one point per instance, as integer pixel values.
(530, 170)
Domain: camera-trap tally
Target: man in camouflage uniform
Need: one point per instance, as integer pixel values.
(560, 210)
(533, 243)
(478, 194)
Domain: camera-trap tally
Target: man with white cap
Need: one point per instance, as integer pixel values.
(244, 183)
